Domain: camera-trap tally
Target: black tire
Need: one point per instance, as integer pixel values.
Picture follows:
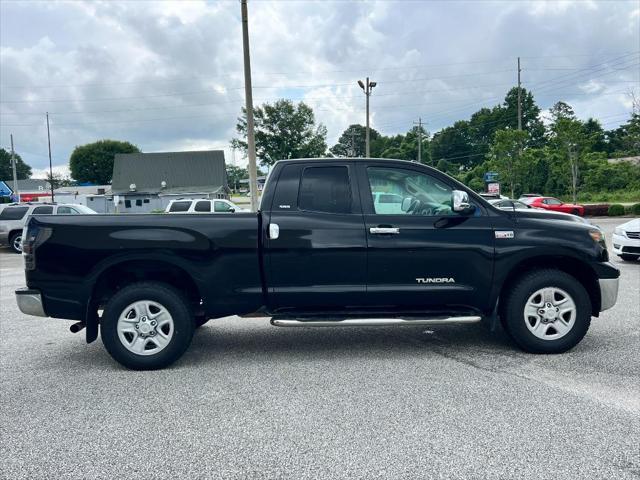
(512, 311)
(171, 299)
(629, 258)
(12, 242)
(576, 211)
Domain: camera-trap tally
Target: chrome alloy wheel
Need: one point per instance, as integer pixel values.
(145, 327)
(550, 313)
(17, 243)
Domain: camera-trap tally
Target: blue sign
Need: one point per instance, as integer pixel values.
(491, 177)
(5, 190)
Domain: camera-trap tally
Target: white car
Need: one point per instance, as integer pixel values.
(203, 205)
(387, 203)
(626, 240)
(15, 215)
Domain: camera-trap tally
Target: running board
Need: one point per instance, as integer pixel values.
(373, 322)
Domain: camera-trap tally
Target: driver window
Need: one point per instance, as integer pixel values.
(397, 191)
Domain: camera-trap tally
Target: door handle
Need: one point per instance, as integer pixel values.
(274, 231)
(384, 230)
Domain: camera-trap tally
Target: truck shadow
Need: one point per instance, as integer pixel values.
(264, 343)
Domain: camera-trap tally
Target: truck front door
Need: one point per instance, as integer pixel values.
(316, 243)
(420, 252)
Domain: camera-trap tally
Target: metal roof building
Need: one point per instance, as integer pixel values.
(144, 182)
(170, 173)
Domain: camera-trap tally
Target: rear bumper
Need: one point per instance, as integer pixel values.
(30, 302)
(608, 292)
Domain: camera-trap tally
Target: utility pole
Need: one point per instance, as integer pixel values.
(251, 139)
(367, 91)
(419, 138)
(50, 165)
(16, 191)
(519, 98)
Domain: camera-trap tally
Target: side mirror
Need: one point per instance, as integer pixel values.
(406, 204)
(460, 202)
(232, 210)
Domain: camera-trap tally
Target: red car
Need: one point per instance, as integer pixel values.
(550, 203)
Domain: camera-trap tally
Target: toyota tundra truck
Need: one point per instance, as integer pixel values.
(335, 243)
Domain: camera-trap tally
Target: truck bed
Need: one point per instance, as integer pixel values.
(220, 253)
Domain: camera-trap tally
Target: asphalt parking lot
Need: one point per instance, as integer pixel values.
(253, 401)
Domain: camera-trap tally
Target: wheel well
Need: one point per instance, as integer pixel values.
(577, 269)
(12, 232)
(118, 276)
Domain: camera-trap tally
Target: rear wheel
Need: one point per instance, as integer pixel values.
(576, 211)
(15, 242)
(147, 325)
(629, 258)
(547, 311)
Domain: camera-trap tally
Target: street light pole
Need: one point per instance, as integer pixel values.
(251, 139)
(367, 87)
(16, 190)
(50, 165)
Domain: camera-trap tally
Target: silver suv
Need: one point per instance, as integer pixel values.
(14, 216)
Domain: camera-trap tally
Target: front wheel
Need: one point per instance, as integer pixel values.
(547, 311)
(147, 325)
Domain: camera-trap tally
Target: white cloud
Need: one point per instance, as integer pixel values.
(168, 75)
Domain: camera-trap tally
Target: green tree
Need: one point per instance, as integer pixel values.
(569, 142)
(506, 153)
(531, 121)
(234, 175)
(6, 170)
(454, 145)
(283, 130)
(93, 162)
(624, 141)
(352, 142)
(561, 110)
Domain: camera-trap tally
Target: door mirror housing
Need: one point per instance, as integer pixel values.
(460, 202)
(232, 210)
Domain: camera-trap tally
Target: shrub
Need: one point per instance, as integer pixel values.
(597, 210)
(635, 209)
(616, 210)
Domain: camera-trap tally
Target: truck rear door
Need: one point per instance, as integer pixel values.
(315, 249)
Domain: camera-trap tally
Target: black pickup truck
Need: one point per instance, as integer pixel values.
(337, 242)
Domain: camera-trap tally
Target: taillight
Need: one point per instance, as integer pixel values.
(32, 237)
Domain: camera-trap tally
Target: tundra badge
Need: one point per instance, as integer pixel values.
(436, 280)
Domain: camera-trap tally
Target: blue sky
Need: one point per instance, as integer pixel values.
(168, 75)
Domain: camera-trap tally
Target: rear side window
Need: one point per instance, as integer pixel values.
(180, 206)
(203, 206)
(325, 189)
(221, 207)
(67, 211)
(15, 213)
(42, 211)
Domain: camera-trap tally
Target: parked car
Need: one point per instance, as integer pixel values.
(14, 216)
(551, 203)
(511, 205)
(529, 195)
(321, 252)
(387, 202)
(508, 204)
(626, 240)
(199, 205)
